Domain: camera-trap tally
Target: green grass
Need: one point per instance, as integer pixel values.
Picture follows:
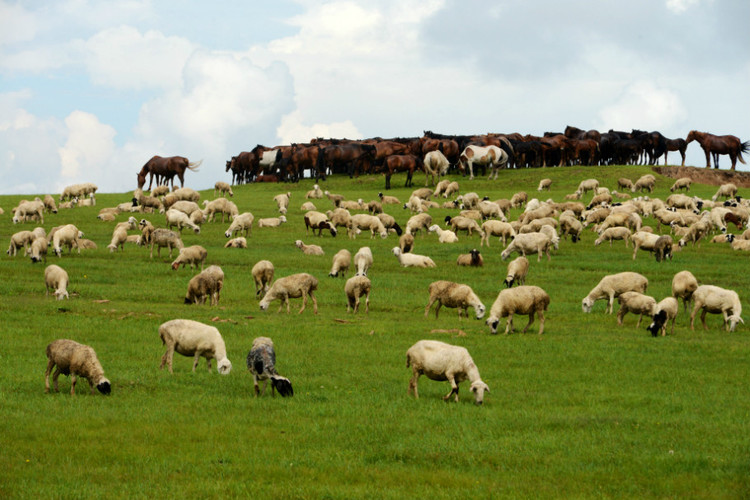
(588, 410)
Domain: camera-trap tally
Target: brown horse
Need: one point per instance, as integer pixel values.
(676, 145)
(307, 156)
(401, 163)
(165, 169)
(719, 145)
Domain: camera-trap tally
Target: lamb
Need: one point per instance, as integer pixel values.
(87, 202)
(473, 259)
(38, 249)
(192, 255)
(681, 183)
(363, 261)
(309, 249)
(160, 190)
(262, 276)
(406, 242)
(517, 270)
(739, 244)
(440, 361)
(440, 187)
(454, 295)
(202, 286)
(191, 338)
(469, 200)
(241, 223)
(353, 205)
(272, 221)
(414, 205)
(56, 279)
(444, 236)
(21, 239)
(717, 300)
(68, 236)
(525, 299)
(239, 242)
(261, 362)
(636, 303)
(417, 222)
(665, 310)
(728, 190)
(165, 238)
(355, 288)
(364, 222)
(544, 185)
(77, 360)
(145, 201)
(180, 220)
(570, 225)
(683, 286)
(120, 234)
(518, 199)
(528, 243)
(339, 217)
(49, 204)
(222, 188)
(452, 188)
(314, 193)
(600, 199)
(614, 233)
(341, 262)
(293, 286)
(612, 286)
(374, 207)
(663, 248)
(282, 201)
(411, 259)
(496, 228)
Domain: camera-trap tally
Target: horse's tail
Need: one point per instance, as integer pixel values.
(744, 148)
(193, 165)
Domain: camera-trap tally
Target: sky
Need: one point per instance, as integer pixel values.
(90, 90)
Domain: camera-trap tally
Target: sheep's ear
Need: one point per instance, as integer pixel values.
(486, 388)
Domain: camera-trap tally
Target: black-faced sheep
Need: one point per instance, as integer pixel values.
(356, 287)
(341, 262)
(294, 286)
(454, 295)
(666, 309)
(526, 299)
(191, 338)
(612, 286)
(517, 270)
(472, 259)
(261, 362)
(440, 361)
(74, 359)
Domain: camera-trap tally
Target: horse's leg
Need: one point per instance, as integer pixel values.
(733, 157)
(708, 157)
(150, 180)
(387, 181)
(682, 153)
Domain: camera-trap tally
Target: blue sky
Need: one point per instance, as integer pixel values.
(89, 89)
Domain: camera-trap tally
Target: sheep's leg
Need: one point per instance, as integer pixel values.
(541, 322)
(637, 325)
(55, 377)
(454, 389)
(367, 303)
(610, 304)
(315, 302)
(437, 309)
(73, 380)
(531, 320)
(255, 385)
(413, 384)
(509, 324)
(692, 316)
(50, 365)
(167, 358)
(304, 302)
(208, 364)
(427, 309)
(356, 303)
(196, 358)
(621, 315)
(703, 318)
(91, 386)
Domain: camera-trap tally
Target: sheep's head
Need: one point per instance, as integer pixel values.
(492, 322)
(732, 322)
(479, 388)
(61, 294)
(396, 251)
(479, 309)
(657, 323)
(104, 387)
(384, 234)
(587, 304)
(224, 366)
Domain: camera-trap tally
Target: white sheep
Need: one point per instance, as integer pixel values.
(355, 288)
(462, 223)
(717, 300)
(241, 223)
(526, 299)
(222, 188)
(202, 286)
(454, 295)
(219, 205)
(365, 222)
(187, 194)
(67, 235)
(544, 185)
(29, 209)
(363, 261)
(318, 220)
(452, 188)
(307, 206)
(262, 276)
(191, 338)
(120, 234)
(37, 251)
(21, 239)
(239, 242)
(341, 262)
(472, 259)
(612, 286)
(614, 233)
(387, 200)
(164, 238)
(261, 362)
(666, 309)
(293, 286)
(56, 279)
(406, 242)
(528, 243)
(417, 222)
(272, 221)
(496, 228)
(314, 193)
(411, 259)
(282, 201)
(309, 249)
(192, 255)
(444, 235)
(588, 185)
(517, 270)
(180, 220)
(728, 190)
(77, 360)
(645, 240)
(637, 303)
(440, 361)
(681, 183)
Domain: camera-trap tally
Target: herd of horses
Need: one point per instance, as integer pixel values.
(321, 157)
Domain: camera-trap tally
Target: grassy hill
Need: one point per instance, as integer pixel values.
(590, 409)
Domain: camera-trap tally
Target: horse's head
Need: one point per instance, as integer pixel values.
(141, 180)
(692, 136)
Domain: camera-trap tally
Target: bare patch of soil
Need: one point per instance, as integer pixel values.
(709, 176)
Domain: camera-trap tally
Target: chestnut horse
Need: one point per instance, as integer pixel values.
(676, 145)
(165, 169)
(401, 163)
(719, 145)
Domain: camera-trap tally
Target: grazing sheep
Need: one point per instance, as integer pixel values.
(588, 185)
(614, 233)
(191, 338)
(355, 288)
(600, 199)
(683, 286)
(314, 193)
(187, 207)
(239, 242)
(452, 189)
(665, 310)
(77, 360)
(336, 199)
(440, 361)
(390, 223)
(644, 182)
(728, 190)
(160, 190)
(165, 238)
(680, 200)
(294, 286)
(519, 199)
(717, 300)
(645, 240)
(38, 249)
(223, 188)
(525, 299)
(496, 228)
(262, 276)
(517, 270)
(56, 279)
(612, 286)
(570, 225)
(282, 201)
(29, 210)
(261, 362)
(422, 193)
(364, 222)
(414, 205)
(320, 221)
(145, 202)
(473, 259)
(528, 243)
(681, 183)
(21, 239)
(444, 236)
(624, 183)
(180, 220)
(272, 221)
(363, 261)
(411, 259)
(440, 187)
(544, 185)
(309, 249)
(49, 204)
(241, 223)
(222, 206)
(202, 286)
(187, 194)
(68, 236)
(417, 222)
(695, 233)
(406, 243)
(461, 223)
(454, 295)
(341, 262)
(120, 234)
(636, 303)
(192, 255)
(663, 248)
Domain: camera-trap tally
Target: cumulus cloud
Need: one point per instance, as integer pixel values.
(88, 148)
(680, 6)
(293, 130)
(644, 105)
(16, 24)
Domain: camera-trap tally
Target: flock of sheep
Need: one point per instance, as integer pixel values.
(538, 230)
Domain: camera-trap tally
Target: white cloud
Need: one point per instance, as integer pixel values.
(16, 24)
(680, 6)
(292, 130)
(89, 146)
(644, 105)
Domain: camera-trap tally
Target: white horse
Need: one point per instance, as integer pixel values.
(435, 163)
(269, 158)
(491, 156)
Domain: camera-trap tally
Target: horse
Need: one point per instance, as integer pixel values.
(448, 147)
(349, 155)
(491, 156)
(676, 145)
(166, 168)
(435, 164)
(307, 156)
(401, 163)
(719, 145)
